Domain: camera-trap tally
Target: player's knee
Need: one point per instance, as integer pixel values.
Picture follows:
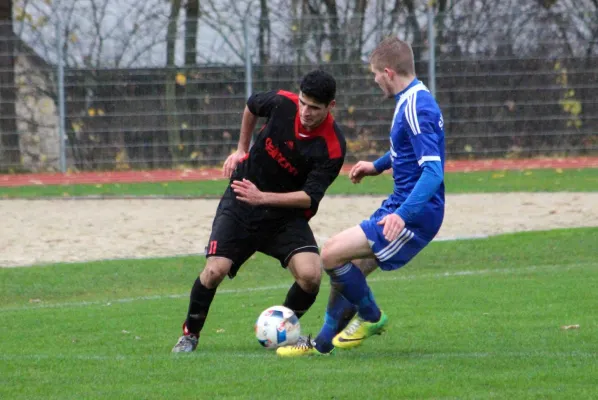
(329, 255)
(309, 280)
(214, 272)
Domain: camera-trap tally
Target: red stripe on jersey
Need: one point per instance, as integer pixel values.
(325, 129)
(289, 95)
(327, 132)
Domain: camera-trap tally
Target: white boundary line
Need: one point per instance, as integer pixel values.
(403, 277)
(168, 356)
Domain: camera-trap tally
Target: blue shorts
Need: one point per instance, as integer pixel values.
(414, 237)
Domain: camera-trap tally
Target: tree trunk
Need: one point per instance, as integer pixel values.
(359, 18)
(418, 39)
(335, 38)
(394, 19)
(172, 125)
(10, 154)
(264, 33)
(192, 8)
(440, 28)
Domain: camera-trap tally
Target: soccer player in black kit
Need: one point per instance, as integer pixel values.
(275, 188)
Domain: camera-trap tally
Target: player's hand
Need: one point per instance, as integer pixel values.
(232, 161)
(393, 226)
(361, 170)
(247, 192)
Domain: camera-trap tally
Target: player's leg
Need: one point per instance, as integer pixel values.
(200, 299)
(307, 270)
(339, 310)
(389, 256)
(345, 276)
(294, 245)
(230, 245)
(347, 245)
(350, 282)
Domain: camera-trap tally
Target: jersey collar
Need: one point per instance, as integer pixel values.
(320, 130)
(414, 82)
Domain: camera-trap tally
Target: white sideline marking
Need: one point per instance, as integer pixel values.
(284, 286)
(169, 356)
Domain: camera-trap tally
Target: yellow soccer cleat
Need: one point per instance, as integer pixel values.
(358, 330)
(304, 347)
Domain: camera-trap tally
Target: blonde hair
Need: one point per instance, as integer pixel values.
(395, 54)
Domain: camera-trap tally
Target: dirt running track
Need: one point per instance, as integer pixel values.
(208, 174)
(47, 231)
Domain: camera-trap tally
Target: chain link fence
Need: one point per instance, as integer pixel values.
(114, 88)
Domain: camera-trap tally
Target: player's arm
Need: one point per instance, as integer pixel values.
(248, 124)
(426, 186)
(320, 179)
(427, 140)
(383, 163)
(247, 192)
(258, 105)
(428, 183)
(324, 172)
(298, 199)
(368, 168)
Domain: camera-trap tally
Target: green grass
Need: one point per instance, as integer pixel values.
(477, 319)
(543, 180)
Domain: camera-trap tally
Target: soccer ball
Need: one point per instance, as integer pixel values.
(277, 326)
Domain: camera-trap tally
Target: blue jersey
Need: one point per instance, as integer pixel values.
(416, 157)
(416, 136)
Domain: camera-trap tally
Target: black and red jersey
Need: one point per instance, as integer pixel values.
(287, 158)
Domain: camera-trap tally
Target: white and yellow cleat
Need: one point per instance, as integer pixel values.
(304, 347)
(358, 330)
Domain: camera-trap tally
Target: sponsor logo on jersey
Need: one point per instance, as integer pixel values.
(275, 153)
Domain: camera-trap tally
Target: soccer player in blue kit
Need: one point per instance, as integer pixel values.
(405, 222)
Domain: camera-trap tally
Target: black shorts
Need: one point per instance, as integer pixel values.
(238, 232)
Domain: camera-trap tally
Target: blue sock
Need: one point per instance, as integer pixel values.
(350, 282)
(338, 314)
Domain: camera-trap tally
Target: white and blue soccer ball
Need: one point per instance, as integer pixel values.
(277, 326)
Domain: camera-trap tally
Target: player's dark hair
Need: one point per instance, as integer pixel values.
(319, 85)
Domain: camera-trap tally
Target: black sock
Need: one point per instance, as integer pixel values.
(199, 305)
(299, 300)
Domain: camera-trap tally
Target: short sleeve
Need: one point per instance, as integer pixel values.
(262, 104)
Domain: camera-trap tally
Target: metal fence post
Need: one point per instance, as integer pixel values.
(60, 87)
(432, 49)
(248, 66)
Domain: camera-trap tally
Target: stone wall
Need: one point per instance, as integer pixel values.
(37, 114)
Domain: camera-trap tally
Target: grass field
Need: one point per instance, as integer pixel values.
(472, 319)
(477, 319)
(544, 180)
